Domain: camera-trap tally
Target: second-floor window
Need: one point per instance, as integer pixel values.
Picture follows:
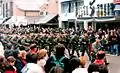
(64, 7)
(71, 7)
(41, 13)
(6, 9)
(3, 10)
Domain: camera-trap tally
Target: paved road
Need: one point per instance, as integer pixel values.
(114, 66)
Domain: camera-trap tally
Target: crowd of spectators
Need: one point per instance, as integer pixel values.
(21, 52)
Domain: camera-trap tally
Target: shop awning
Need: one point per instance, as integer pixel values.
(6, 19)
(98, 19)
(46, 18)
(32, 19)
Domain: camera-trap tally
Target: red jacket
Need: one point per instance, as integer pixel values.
(10, 71)
(99, 62)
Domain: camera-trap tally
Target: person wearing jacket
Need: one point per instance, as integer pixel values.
(9, 67)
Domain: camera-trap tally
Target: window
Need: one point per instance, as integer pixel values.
(64, 7)
(11, 8)
(72, 7)
(3, 10)
(6, 9)
(41, 13)
(69, 7)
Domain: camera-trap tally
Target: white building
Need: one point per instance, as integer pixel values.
(76, 13)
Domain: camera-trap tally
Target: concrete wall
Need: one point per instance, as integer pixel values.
(17, 11)
(32, 13)
(53, 6)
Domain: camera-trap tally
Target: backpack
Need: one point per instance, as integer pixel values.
(58, 62)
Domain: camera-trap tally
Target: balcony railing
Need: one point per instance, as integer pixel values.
(101, 10)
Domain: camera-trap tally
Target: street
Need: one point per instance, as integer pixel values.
(114, 66)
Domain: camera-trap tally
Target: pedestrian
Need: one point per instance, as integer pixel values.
(20, 60)
(9, 66)
(58, 59)
(95, 68)
(57, 70)
(31, 66)
(42, 57)
(75, 64)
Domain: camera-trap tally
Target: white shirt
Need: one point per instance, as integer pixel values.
(41, 63)
(32, 68)
(80, 70)
(1, 50)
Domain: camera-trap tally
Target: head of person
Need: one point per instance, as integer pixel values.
(74, 63)
(56, 69)
(103, 36)
(22, 54)
(97, 40)
(16, 54)
(2, 60)
(11, 60)
(42, 53)
(32, 58)
(100, 55)
(103, 69)
(60, 49)
(33, 48)
(93, 68)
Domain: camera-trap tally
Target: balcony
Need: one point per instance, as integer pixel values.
(101, 10)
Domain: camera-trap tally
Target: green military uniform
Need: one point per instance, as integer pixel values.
(75, 41)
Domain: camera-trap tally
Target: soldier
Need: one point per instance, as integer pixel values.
(75, 44)
(96, 47)
(67, 43)
(85, 45)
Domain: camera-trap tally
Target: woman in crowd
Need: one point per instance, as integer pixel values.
(20, 60)
(42, 57)
(9, 66)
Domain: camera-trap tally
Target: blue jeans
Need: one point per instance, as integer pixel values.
(114, 47)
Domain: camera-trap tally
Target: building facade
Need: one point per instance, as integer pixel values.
(29, 10)
(83, 13)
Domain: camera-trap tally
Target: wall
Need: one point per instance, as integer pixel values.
(117, 1)
(32, 13)
(17, 12)
(53, 6)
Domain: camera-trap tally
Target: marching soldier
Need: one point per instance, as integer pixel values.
(75, 44)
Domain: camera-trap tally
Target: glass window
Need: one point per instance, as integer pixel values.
(72, 7)
(6, 9)
(64, 7)
(11, 8)
(3, 10)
